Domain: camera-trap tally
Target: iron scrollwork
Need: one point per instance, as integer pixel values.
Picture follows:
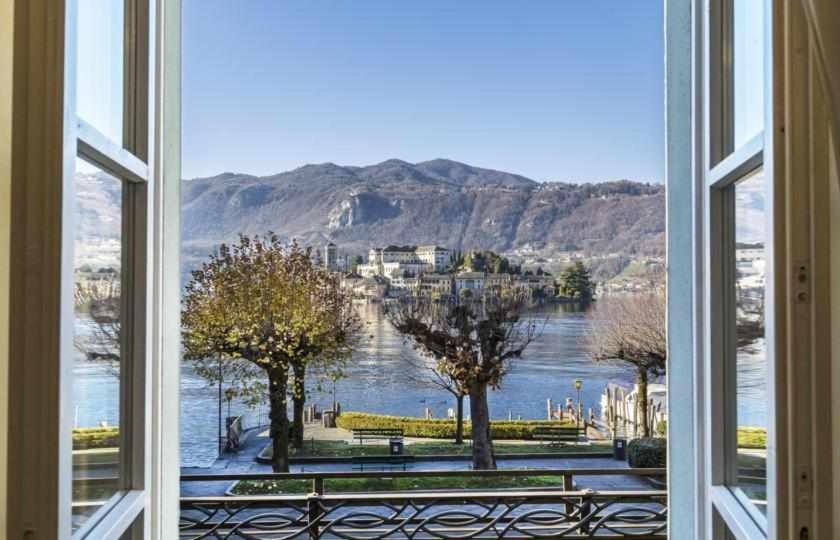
(521, 514)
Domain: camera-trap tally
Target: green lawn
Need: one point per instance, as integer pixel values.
(320, 448)
(364, 485)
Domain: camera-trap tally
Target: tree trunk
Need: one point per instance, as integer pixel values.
(278, 379)
(483, 455)
(642, 381)
(298, 404)
(459, 419)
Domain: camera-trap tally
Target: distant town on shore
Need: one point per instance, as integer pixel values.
(395, 271)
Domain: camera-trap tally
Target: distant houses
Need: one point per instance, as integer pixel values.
(395, 271)
(331, 257)
(370, 288)
(398, 261)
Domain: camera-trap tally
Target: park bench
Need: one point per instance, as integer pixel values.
(377, 434)
(382, 462)
(558, 434)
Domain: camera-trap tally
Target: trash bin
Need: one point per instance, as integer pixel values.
(619, 449)
(396, 446)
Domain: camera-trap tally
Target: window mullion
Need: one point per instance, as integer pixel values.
(738, 164)
(104, 153)
(137, 60)
(737, 521)
(134, 275)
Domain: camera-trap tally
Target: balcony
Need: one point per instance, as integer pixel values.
(563, 512)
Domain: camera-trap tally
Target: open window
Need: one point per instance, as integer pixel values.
(752, 171)
(87, 229)
(96, 110)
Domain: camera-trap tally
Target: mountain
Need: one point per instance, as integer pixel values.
(434, 202)
(98, 220)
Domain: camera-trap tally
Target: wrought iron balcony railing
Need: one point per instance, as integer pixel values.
(562, 512)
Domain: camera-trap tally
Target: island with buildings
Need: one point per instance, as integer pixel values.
(394, 271)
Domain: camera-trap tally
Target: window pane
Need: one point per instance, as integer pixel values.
(751, 358)
(96, 362)
(99, 76)
(748, 69)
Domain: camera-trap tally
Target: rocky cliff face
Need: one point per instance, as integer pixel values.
(440, 201)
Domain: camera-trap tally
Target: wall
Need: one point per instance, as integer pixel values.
(6, 20)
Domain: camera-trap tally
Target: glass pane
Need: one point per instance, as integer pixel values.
(751, 357)
(96, 362)
(99, 68)
(748, 69)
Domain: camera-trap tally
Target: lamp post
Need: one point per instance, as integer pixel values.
(578, 384)
(335, 402)
(219, 432)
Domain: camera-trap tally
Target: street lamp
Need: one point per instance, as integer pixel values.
(578, 384)
(219, 432)
(334, 405)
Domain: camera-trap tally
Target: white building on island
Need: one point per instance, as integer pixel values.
(400, 261)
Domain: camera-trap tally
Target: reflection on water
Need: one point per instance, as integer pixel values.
(382, 378)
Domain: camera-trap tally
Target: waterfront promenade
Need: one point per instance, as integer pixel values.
(244, 462)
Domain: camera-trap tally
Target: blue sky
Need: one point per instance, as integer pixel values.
(551, 89)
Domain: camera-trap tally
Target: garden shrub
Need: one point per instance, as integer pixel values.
(647, 452)
(662, 428)
(440, 429)
(96, 437)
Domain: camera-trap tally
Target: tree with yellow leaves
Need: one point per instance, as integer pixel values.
(260, 303)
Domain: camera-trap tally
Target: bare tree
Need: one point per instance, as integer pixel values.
(100, 299)
(435, 372)
(631, 329)
(476, 339)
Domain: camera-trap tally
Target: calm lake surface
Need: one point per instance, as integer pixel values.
(383, 378)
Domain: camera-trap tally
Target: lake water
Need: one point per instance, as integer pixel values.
(383, 378)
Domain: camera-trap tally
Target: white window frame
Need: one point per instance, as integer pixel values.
(793, 151)
(723, 166)
(128, 163)
(47, 139)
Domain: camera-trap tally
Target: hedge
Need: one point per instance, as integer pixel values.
(441, 429)
(752, 437)
(96, 437)
(748, 437)
(647, 453)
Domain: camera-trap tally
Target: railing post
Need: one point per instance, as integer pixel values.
(313, 512)
(313, 508)
(568, 486)
(585, 511)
